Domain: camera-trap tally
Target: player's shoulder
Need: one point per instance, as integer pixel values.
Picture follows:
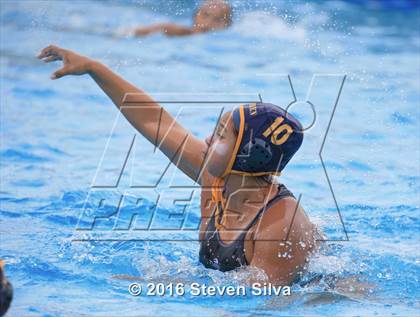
(276, 220)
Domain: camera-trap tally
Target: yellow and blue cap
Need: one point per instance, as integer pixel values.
(268, 137)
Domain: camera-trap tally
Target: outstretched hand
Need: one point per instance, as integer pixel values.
(73, 63)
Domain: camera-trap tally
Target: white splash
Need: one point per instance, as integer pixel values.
(263, 24)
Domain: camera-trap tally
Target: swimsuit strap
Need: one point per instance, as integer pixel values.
(217, 197)
(282, 192)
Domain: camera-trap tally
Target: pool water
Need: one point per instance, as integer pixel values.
(63, 146)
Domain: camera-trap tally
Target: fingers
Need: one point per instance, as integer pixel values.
(46, 51)
(59, 73)
(51, 58)
(51, 50)
(53, 53)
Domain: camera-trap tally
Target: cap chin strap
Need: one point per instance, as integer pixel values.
(219, 200)
(218, 184)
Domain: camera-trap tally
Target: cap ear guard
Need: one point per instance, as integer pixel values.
(254, 155)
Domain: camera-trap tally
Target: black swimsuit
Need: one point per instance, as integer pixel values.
(217, 255)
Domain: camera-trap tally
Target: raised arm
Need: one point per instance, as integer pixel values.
(147, 116)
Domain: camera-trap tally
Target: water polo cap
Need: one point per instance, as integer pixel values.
(267, 139)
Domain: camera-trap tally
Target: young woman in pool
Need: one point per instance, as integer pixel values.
(246, 218)
(212, 15)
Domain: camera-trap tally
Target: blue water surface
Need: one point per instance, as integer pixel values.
(63, 146)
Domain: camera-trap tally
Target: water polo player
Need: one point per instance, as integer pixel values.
(246, 218)
(212, 15)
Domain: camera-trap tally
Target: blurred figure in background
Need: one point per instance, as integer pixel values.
(212, 15)
(6, 291)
